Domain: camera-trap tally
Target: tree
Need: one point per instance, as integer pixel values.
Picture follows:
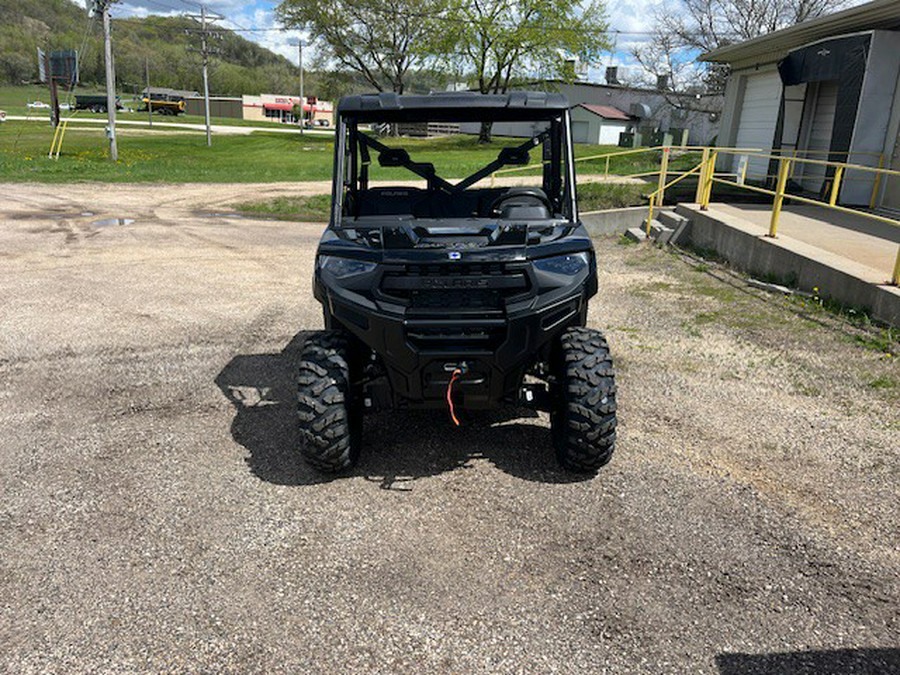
(381, 40)
(501, 40)
(692, 26)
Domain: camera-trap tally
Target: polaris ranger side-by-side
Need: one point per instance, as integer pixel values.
(452, 293)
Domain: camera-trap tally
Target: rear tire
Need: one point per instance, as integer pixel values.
(583, 420)
(330, 419)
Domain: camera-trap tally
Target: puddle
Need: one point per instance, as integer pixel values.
(45, 215)
(108, 222)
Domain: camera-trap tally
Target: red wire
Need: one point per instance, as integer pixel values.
(453, 378)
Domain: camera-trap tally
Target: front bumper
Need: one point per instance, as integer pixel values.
(420, 346)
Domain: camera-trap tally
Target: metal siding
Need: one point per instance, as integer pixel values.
(758, 117)
(891, 198)
(580, 131)
(818, 141)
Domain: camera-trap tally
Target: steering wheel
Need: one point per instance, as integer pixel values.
(526, 193)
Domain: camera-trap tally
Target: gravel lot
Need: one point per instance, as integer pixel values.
(155, 518)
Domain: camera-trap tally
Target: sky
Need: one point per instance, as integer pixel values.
(630, 17)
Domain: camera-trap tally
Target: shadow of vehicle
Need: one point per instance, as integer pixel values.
(830, 662)
(398, 446)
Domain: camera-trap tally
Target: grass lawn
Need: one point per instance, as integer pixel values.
(591, 196)
(164, 155)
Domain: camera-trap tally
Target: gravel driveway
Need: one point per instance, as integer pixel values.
(154, 516)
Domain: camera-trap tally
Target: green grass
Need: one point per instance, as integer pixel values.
(885, 382)
(156, 156)
(166, 155)
(598, 196)
(317, 207)
(314, 208)
(163, 155)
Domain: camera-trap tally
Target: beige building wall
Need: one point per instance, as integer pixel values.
(253, 108)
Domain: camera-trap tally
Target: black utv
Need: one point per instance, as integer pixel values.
(455, 294)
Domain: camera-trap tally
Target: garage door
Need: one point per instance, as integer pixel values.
(759, 114)
(609, 133)
(891, 199)
(818, 134)
(580, 132)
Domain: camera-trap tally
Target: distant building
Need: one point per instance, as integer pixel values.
(219, 106)
(262, 108)
(598, 124)
(627, 108)
(276, 108)
(828, 88)
(658, 109)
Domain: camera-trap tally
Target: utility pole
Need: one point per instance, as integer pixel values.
(149, 99)
(302, 102)
(103, 7)
(206, 34)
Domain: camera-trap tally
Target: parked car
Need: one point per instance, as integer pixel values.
(39, 105)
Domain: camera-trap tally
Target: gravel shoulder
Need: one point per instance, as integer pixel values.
(155, 517)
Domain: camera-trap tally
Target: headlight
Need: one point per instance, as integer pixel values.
(344, 267)
(570, 264)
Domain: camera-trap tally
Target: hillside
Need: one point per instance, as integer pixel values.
(243, 67)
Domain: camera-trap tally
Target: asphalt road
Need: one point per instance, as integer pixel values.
(155, 516)
(227, 129)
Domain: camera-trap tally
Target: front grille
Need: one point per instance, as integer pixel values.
(455, 288)
(462, 300)
(483, 336)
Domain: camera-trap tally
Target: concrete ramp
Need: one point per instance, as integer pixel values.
(847, 259)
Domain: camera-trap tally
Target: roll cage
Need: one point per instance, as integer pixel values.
(356, 196)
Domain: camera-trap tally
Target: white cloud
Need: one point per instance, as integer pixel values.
(239, 14)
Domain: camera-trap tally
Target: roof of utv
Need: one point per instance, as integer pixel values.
(453, 106)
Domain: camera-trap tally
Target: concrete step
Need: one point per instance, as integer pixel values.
(670, 219)
(635, 234)
(659, 232)
(680, 224)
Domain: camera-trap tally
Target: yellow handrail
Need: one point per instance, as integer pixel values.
(621, 153)
(785, 170)
(660, 192)
(787, 161)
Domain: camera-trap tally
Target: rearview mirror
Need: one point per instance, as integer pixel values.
(393, 157)
(516, 156)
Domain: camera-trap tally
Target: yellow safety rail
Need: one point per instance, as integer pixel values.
(607, 156)
(787, 161)
(780, 193)
(665, 154)
(656, 197)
